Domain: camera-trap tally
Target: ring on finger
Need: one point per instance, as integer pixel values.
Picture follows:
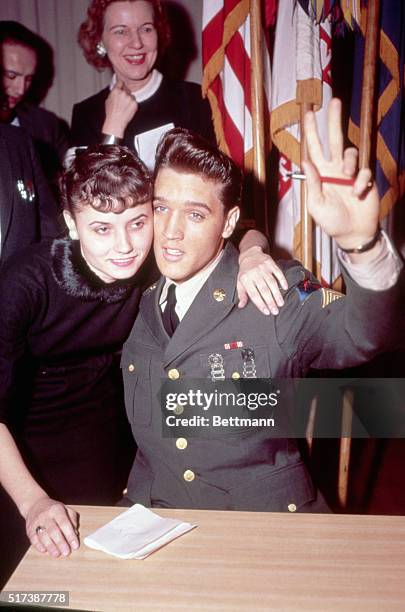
(39, 529)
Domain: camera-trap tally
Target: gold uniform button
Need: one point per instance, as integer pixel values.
(292, 507)
(181, 443)
(173, 374)
(219, 295)
(131, 367)
(235, 375)
(189, 475)
(178, 409)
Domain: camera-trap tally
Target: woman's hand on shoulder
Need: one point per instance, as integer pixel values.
(120, 108)
(260, 279)
(52, 527)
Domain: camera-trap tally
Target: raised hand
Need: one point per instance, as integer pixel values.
(347, 213)
(52, 527)
(120, 108)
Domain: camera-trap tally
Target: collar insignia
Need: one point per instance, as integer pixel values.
(219, 295)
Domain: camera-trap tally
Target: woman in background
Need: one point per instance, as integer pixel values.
(129, 36)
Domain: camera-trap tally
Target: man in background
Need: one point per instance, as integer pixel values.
(27, 72)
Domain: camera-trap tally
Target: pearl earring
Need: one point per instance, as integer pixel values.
(101, 50)
(73, 235)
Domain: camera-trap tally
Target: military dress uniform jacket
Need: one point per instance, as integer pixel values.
(248, 470)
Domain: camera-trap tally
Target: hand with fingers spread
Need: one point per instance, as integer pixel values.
(260, 280)
(120, 108)
(52, 527)
(347, 213)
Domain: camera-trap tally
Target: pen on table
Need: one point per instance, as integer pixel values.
(326, 179)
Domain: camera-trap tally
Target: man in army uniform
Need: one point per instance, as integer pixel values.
(190, 326)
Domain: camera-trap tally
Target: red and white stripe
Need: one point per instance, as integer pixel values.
(227, 74)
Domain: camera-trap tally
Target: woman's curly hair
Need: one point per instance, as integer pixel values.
(110, 178)
(91, 30)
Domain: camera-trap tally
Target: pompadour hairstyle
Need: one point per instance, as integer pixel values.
(190, 153)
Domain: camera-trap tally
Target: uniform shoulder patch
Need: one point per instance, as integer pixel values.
(329, 296)
(150, 289)
(306, 287)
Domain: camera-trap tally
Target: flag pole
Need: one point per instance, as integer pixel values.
(257, 93)
(306, 246)
(371, 43)
(367, 94)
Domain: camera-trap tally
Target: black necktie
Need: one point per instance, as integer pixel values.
(169, 316)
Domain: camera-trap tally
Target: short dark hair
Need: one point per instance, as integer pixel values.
(16, 33)
(91, 30)
(109, 178)
(188, 152)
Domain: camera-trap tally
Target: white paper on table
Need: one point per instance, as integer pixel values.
(145, 144)
(136, 533)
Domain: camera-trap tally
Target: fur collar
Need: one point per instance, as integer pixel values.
(73, 274)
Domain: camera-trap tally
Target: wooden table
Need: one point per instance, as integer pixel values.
(236, 561)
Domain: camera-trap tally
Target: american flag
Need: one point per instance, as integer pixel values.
(227, 75)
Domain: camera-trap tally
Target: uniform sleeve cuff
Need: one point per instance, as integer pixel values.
(379, 274)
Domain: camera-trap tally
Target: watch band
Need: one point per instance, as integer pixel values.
(362, 248)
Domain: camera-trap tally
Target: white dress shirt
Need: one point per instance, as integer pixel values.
(187, 291)
(379, 274)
